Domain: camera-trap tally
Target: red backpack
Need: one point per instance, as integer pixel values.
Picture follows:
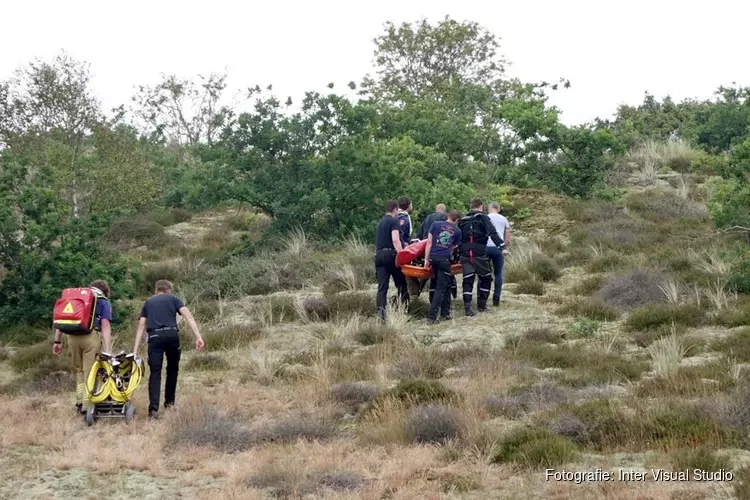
(75, 311)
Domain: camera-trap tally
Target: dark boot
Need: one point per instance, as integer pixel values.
(496, 301)
(482, 305)
(467, 309)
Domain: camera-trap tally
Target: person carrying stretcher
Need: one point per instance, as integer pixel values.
(443, 236)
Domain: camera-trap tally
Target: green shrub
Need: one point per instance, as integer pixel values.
(371, 333)
(530, 287)
(22, 335)
(588, 285)
(206, 362)
(685, 425)
(736, 345)
(232, 336)
(544, 268)
(420, 392)
(604, 424)
(584, 327)
(605, 263)
(654, 316)
(30, 357)
(351, 303)
(737, 315)
(739, 277)
(138, 231)
(543, 335)
(590, 308)
(535, 448)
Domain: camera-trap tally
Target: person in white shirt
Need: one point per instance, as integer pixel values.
(495, 254)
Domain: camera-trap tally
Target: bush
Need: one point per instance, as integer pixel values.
(23, 335)
(588, 285)
(571, 427)
(589, 308)
(353, 394)
(544, 334)
(371, 333)
(635, 289)
(535, 448)
(432, 424)
(530, 287)
(32, 356)
(418, 392)
(207, 361)
(738, 315)
(544, 268)
(739, 277)
(584, 327)
(233, 336)
(605, 263)
(294, 427)
(429, 363)
(735, 345)
(685, 425)
(582, 367)
(526, 399)
(205, 426)
(352, 303)
(603, 424)
(316, 309)
(654, 316)
(137, 231)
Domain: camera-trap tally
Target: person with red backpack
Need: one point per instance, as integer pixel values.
(84, 315)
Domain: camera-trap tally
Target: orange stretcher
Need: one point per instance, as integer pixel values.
(426, 272)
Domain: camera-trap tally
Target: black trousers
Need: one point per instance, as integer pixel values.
(441, 298)
(385, 268)
(161, 345)
(476, 266)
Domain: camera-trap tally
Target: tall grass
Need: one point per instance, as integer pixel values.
(671, 291)
(667, 353)
(296, 243)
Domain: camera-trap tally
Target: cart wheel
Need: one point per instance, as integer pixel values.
(129, 411)
(90, 416)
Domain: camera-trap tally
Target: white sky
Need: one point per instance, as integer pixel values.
(610, 51)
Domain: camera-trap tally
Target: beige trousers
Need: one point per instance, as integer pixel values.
(83, 350)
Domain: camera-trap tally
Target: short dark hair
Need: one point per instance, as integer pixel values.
(163, 286)
(101, 285)
(390, 206)
(404, 202)
(476, 203)
(454, 216)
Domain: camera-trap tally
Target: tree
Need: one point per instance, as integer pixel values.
(43, 249)
(419, 59)
(46, 112)
(177, 109)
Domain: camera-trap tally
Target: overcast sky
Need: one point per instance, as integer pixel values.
(611, 51)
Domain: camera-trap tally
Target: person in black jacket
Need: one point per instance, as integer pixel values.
(476, 229)
(436, 216)
(387, 245)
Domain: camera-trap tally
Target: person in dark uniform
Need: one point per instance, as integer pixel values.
(387, 244)
(476, 229)
(441, 238)
(437, 215)
(405, 208)
(159, 320)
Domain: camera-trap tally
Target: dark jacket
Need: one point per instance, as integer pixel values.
(424, 229)
(476, 228)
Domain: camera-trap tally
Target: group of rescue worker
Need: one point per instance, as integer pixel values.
(479, 239)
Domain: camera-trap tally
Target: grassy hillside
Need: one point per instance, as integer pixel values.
(619, 344)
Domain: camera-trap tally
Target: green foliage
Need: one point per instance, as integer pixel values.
(535, 448)
(650, 317)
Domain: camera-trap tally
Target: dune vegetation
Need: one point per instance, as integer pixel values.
(622, 340)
